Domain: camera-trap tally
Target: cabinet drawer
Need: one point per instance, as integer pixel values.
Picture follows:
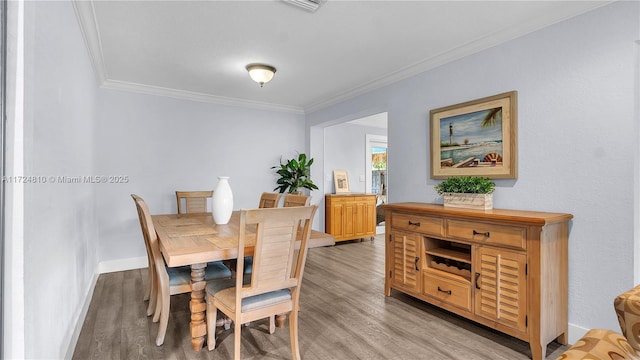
(426, 225)
(364, 199)
(448, 290)
(513, 236)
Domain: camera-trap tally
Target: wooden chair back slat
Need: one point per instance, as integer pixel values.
(291, 200)
(269, 200)
(194, 201)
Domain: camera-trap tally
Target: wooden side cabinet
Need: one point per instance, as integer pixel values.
(350, 216)
(506, 269)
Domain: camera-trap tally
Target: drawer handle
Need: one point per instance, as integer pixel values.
(448, 292)
(481, 233)
(416, 263)
(477, 282)
(414, 223)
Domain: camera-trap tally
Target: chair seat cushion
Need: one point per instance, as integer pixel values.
(215, 286)
(227, 295)
(248, 264)
(266, 299)
(600, 344)
(182, 275)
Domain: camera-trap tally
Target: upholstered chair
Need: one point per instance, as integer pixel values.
(607, 344)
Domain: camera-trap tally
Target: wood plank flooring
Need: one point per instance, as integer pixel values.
(344, 315)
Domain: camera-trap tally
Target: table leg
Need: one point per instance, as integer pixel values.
(198, 306)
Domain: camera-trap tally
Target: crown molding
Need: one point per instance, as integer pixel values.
(194, 96)
(469, 48)
(85, 13)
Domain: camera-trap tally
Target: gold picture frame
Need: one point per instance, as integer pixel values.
(476, 138)
(341, 181)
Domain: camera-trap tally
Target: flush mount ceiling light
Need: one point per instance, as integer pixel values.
(261, 73)
(309, 5)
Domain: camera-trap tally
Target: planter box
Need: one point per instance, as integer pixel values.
(468, 201)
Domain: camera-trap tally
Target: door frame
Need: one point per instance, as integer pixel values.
(3, 122)
(370, 141)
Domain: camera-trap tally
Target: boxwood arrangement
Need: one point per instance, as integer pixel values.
(466, 185)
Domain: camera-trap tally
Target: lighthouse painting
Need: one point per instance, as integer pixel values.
(475, 138)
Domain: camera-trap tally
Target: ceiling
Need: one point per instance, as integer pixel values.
(198, 50)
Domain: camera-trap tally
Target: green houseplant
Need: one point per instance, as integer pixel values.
(473, 192)
(294, 174)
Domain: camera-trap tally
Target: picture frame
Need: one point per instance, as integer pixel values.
(341, 181)
(475, 138)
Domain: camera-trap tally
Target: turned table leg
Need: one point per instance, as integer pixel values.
(198, 306)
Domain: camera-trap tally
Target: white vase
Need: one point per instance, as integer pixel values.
(222, 201)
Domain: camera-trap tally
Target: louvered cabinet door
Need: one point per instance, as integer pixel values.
(405, 266)
(500, 293)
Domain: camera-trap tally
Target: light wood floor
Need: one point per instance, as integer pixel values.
(345, 315)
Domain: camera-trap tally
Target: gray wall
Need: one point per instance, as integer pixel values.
(72, 128)
(165, 145)
(60, 226)
(577, 140)
(345, 149)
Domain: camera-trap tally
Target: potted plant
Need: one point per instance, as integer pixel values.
(472, 192)
(294, 175)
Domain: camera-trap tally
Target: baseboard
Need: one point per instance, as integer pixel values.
(575, 333)
(103, 267)
(122, 264)
(80, 318)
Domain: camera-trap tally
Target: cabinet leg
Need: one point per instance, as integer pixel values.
(563, 339)
(387, 290)
(538, 350)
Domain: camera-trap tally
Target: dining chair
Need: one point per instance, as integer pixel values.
(194, 201)
(296, 200)
(269, 200)
(150, 292)
(167, 281)
(274, 287)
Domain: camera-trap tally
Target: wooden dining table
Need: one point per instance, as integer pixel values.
(195, 240)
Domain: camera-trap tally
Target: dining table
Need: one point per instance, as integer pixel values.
(195, 239)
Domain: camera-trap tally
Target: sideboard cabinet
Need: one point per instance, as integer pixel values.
(350, 216)
(506, 269)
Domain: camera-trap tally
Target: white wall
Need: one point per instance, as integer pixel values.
(164, 145)
(60, 227)
(345, 149)
(575, 82)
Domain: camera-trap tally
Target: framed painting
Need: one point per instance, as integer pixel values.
(477, 138)
(341, 180)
